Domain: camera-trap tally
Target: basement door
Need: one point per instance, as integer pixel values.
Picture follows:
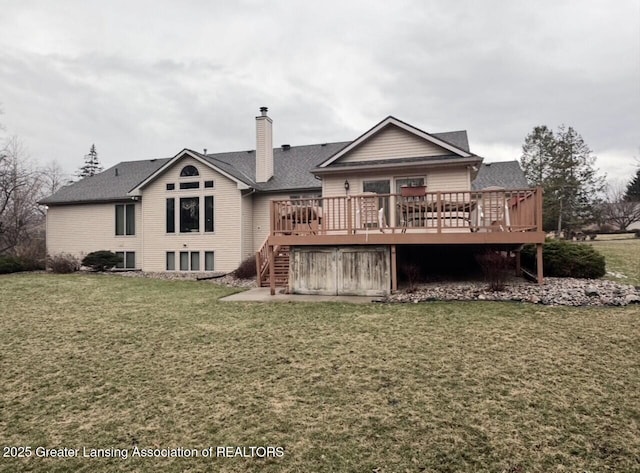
(353, 270)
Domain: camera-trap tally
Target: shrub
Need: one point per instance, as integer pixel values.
(412, 273)
(495, 266)
(247, 269)
(10, 264)
(63, 263)
(606, 228)
(101, 260)
(32, 254)
(567, 260)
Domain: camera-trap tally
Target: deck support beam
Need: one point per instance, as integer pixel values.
(272, 271)
(518, 263)
(539, 264)
(394, 270)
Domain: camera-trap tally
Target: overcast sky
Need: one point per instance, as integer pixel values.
(145, 79)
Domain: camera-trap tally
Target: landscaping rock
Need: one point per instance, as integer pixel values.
(220, 278)
(591, 291)
(555, 291)
(632, 299)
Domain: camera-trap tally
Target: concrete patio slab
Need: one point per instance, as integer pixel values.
(262, 294)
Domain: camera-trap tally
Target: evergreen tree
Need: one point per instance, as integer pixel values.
(633, 188)
(537, 155)
(91, 164)
(563, 165)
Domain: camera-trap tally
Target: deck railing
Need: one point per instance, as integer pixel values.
(429, 212)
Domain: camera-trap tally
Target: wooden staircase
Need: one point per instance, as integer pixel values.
(281, 266)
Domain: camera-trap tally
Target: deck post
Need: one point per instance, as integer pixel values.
(349, 223)
(518, 263)
(538, 211)
(258, 268)
(272, 271)
(539, 262)
(439, 206)
(272, 217)
(394, 270)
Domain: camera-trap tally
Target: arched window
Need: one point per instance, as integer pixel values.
(189, 171)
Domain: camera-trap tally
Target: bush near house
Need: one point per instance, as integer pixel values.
(247, 269)
(10, 264)
(567, 260)
(63, 263)
(495, 266)
(101, 260)
(14, 264)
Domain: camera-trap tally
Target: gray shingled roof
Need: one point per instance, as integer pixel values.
(292, 170)
(458, 139)
(106, 186)
(506, 174)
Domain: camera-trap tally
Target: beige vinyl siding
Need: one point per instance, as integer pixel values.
(438, 179)
(225, 241)
(247, 226)
(393, 142)
(80, 229)
(449, 179)
(261, 218)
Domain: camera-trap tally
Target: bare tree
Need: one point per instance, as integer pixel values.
(20, 185)
(617, 209)
(52, 178)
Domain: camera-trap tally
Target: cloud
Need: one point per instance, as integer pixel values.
(145, 79)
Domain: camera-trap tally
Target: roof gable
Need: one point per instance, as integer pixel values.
(393, 138)
(211, 163)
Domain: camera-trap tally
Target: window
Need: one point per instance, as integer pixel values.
(171, 261)
(379, 187)
(189, 171)
(189, 214)
(316, 196)
(195, 261)
(188, 260)
(189, 185)
(184, 261)
(408, 182)
(208, 213)
(171, 215)
(128, 260)
(171, 186)
(208, 184)
(208, 260)
(125, 219)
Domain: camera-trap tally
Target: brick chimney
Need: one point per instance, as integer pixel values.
(264, 147)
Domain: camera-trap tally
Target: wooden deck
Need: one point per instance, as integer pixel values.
(490, 217)
(466, 217)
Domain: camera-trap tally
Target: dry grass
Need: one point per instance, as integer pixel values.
(614, 236)
(622, 257)
(100, 361)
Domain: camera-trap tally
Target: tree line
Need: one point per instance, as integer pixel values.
(23, 183)
(575, 193)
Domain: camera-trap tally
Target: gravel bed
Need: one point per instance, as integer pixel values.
(216, 278)
(555, 291)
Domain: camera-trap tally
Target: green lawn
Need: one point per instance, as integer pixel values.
(111, 362)
(622, 257)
